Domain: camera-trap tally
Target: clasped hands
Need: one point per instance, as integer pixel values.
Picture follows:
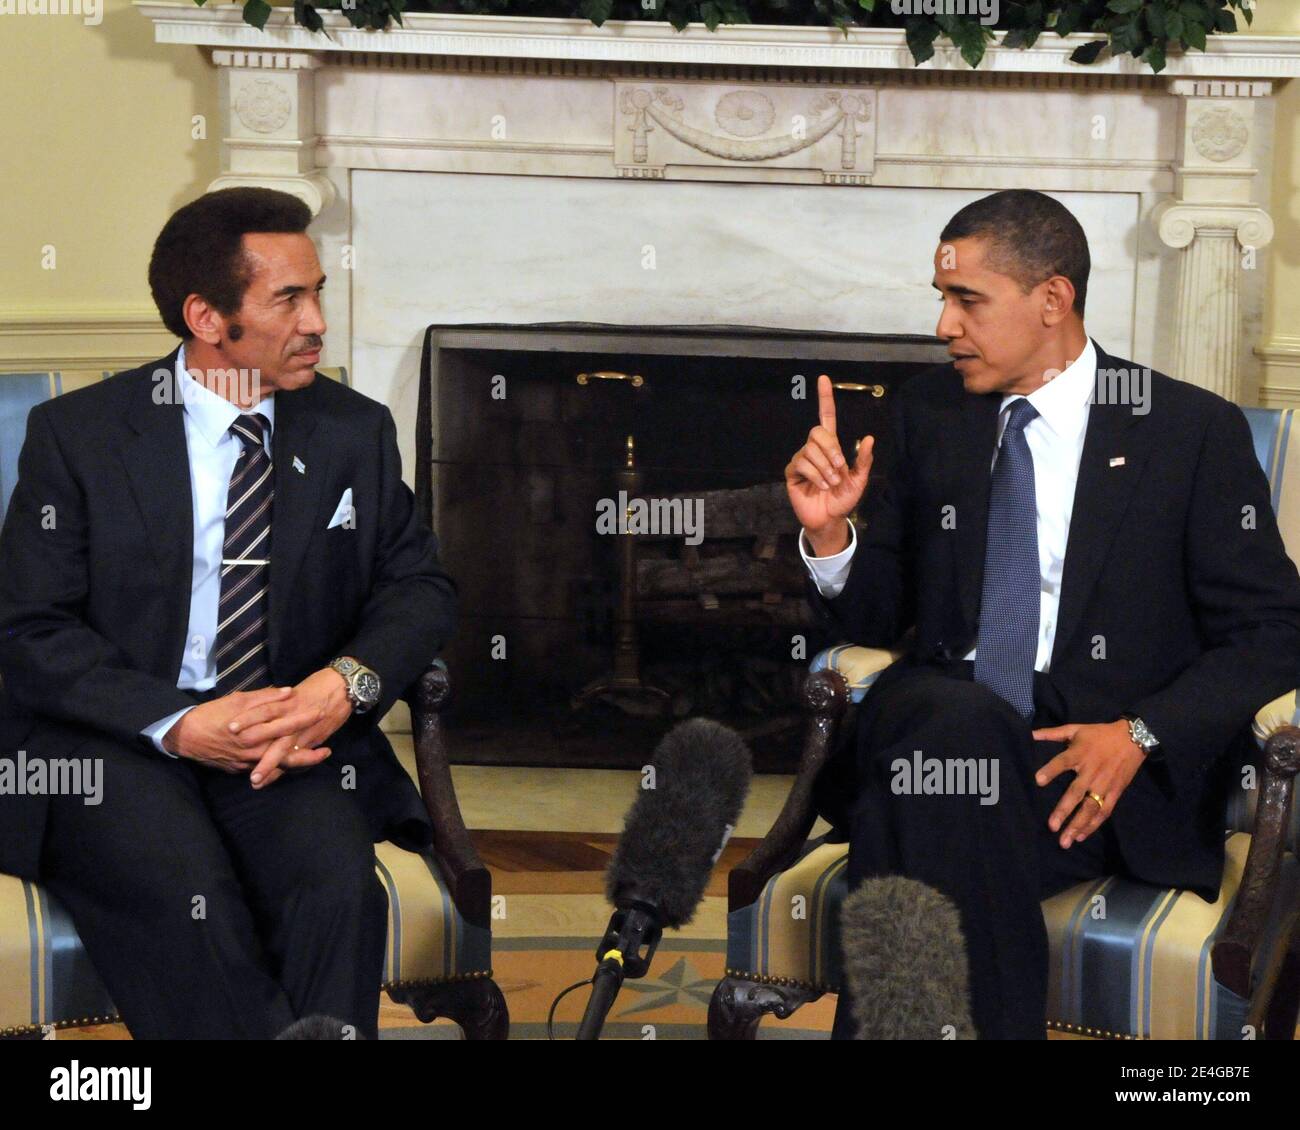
(267, 731)
(1104, 759)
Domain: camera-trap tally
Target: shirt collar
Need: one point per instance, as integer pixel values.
(211, 414)
(1062, 401)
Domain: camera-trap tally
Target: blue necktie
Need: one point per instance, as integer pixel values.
(1008, 622)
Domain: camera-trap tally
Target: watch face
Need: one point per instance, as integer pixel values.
(366, 687)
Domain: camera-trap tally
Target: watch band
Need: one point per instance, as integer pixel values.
(1142, 737)
(353, 672)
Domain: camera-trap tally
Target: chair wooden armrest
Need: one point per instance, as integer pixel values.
(825, 697)
(1233, 954)
(469, 881)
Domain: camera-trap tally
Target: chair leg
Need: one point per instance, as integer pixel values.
(478, 1006)
(738, 1004)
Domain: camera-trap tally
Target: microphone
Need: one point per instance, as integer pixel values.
(905, 962)
(692, 794)
(319, 1027)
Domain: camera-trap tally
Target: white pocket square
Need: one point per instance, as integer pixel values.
(343, 512)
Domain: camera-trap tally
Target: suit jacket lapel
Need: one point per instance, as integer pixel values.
(158, 468)
(297, 497)
(1101, 497)
(976, 436)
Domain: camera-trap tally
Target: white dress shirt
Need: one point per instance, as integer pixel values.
(212, 454)
(1055, 437)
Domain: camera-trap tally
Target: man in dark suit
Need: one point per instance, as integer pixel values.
(1107, 689)
(213, 584)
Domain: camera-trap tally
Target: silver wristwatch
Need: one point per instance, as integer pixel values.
(1141, 734)
(363, 684)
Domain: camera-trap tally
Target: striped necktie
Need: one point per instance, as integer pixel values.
(1008, 625)
(246, 562)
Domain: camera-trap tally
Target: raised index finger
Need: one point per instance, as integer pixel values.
(826, 403)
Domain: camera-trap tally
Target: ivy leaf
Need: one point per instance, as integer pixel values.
(1088, 52)
(1155, 17)
(869, 5)
(1068, 21)
(257, 12)
(1154, 57)
(1124, 7)
(356, 17)
(1224, 20)
(920, 36)
(1127, 38)
(969, 38)
(1174, 26)
(1194, 35)
(597, 11)
(306, 15)
(710, 14)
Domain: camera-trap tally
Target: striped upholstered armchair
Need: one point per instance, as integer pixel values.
(439, 954)
(1160, 964)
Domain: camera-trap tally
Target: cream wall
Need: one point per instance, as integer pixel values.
(98, 150)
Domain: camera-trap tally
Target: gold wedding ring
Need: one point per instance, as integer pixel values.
(1101, 800)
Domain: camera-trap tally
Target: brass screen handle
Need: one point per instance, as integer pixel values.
(848, 386)
(611, 375)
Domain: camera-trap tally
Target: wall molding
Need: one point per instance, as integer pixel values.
(1236, 56)
(39, 338)
(1279, 385)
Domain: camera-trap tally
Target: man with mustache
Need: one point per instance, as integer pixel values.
(1112, 682)
(213, 579)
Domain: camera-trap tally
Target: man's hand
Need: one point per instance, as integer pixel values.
(321, 699)
(1104, 760)
(823, 488)
(204, 734)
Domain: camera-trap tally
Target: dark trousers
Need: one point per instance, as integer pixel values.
(996, 862)
(216, 911)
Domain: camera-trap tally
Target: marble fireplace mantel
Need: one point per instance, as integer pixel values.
(505, 97)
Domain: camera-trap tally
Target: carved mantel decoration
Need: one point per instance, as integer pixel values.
(511, 96)
(749, 126)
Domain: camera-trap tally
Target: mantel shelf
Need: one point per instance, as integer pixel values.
(1234, 56)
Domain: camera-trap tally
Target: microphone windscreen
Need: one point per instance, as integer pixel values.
(905, 963)
(690, 801)
(320, 1027)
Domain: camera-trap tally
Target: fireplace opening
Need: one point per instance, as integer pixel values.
(610, 501)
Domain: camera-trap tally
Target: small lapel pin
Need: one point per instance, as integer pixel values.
(302, 470)
(1117, 461)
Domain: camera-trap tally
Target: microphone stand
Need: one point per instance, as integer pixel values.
(624, 953)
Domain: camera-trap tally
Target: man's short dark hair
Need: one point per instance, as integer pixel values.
(1031, 238)
(199, 251)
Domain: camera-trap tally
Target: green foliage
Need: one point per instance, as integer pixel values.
(1145, 29)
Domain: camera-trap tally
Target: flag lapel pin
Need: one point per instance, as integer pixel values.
(1117, 461)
